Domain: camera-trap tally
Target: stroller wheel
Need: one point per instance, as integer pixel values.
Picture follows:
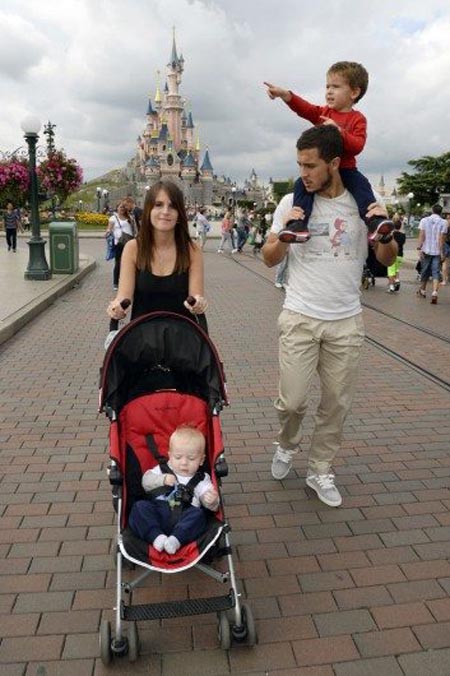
(105, 642)
(133, 642)
(246, 632)
(249, 623)
(224, 631)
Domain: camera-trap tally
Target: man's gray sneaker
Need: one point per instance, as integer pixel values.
(281, 463)
(324, 486)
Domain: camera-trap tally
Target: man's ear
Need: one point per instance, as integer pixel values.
(335, 163)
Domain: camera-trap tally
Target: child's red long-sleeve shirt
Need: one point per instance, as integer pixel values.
(352, 125)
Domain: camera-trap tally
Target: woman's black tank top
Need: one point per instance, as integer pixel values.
(154, 293)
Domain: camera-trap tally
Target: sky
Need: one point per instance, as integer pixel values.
(89, 66)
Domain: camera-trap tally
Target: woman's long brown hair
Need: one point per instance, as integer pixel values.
(146, 238)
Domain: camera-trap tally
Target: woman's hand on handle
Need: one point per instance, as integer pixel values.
(117, 309)
(196, 304)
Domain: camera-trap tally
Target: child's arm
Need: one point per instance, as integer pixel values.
(305, 109)
(209, 496)
(154, 478)
(355, 133)
(210, 499)
(274, 92)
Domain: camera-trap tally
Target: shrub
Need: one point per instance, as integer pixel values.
(92, 219)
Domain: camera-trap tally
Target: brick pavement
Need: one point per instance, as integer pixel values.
(358, 590)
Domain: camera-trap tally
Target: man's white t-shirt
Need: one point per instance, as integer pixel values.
(434, 227)
(324, 274)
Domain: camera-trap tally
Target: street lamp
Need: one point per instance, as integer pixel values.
(105, 194)
(410, 197)
(37, 264)
(98, 192)
(80, 205)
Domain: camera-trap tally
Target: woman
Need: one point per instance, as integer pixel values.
(121, 225)
(227, 224)
(162, 266)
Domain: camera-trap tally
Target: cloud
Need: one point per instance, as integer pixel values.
(90, 67)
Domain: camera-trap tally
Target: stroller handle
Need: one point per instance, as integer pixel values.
(114, 323)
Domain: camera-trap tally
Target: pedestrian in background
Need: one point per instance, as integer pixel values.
(445, 262)
(122, 226)
(393, 270)
(432, 233)
(12, 223)
(203, 226)
(226, 227)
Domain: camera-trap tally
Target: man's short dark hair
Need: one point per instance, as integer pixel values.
(437, 209)
(326, 138)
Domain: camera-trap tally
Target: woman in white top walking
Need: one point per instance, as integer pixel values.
(122, 227)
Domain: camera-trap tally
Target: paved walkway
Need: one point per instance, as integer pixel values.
(358, 590)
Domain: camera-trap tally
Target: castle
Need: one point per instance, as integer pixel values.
(169, 148)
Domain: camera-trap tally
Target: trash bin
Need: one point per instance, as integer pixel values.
(64, 256)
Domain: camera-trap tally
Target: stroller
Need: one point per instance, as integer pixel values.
(161, 371)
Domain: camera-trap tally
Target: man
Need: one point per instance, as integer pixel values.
(320, 326)
(431, 244)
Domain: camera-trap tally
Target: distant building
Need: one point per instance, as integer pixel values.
(169, 148)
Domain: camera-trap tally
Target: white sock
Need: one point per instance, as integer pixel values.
(172, 544)
(159, 542)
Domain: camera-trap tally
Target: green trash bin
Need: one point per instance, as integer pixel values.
(64, 255)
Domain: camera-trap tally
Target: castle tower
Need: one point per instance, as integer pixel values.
(206, 178)
(173, 100)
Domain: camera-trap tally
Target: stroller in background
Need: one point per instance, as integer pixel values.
(161, 371)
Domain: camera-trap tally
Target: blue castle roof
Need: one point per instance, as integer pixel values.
(206, 165)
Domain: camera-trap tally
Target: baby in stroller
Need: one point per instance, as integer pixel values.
(179, 492)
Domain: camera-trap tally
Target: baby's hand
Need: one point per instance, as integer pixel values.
(210, 499)
(169, 480)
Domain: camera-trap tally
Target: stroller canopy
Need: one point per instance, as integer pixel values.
(161, 350)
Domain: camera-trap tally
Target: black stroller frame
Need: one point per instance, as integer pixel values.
(165, 349)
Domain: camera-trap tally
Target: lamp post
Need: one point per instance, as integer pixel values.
(37, 264)
(98, 192)
(105, 194)
(410, 197)
(80, 205)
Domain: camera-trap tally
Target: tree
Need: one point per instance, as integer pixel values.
(14, 182)
(281, 188)
(60, 175)
(431, 178)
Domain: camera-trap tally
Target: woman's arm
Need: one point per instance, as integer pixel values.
(127, 280)
(196, 287)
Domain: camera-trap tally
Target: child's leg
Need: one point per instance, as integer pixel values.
(191, 525)
(149, 518)
(358, 185)
(296, 231)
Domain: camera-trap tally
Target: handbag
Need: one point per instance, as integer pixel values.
(124, 238)
(110, 247)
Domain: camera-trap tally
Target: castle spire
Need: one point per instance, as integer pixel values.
(158, 93)
(174, 55)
